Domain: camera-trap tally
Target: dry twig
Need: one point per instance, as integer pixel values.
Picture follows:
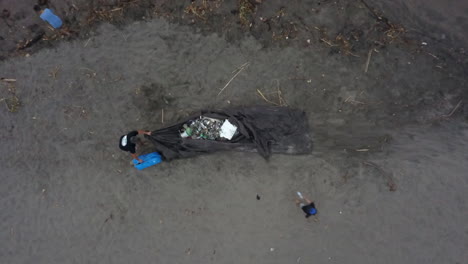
(264, 98)
(432, 55)
(281, 101)
(54, 72)
(362, 150)
(390, 181)
(328, 42)
(351, 101)
(86, 44)
(162, 116)
(369, 55)
(239, 70)
(453, 110)
(7, 80)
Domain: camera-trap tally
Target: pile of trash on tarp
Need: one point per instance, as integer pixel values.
(209, 129)
(262, 129)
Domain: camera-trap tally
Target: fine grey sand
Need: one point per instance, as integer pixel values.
(388, 172)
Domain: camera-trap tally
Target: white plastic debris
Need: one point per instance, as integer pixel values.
(228, 130)
(300, 195)
(184, 134)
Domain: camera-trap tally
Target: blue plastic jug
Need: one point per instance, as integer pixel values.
(149, 160)
(51, 18)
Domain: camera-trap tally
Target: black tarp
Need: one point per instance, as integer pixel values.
(262, 129)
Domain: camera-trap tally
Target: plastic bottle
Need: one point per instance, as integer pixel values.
(51, 18)
(188, 130)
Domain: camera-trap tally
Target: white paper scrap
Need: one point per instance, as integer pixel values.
(228, 130)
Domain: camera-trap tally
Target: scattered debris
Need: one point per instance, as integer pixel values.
(102, 14)
(288, 30)
(394, 32)
(344, 45)
(74, 112)
(209, 129)
(92, 73)
(28, 43)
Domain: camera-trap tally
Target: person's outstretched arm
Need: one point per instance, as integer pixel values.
(144, 132)
(135, 156)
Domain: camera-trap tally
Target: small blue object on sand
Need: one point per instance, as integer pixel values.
(49, 16)
(149, 160)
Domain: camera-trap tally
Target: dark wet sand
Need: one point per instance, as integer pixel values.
(70, 196)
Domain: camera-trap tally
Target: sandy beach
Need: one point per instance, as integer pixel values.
(387, 110)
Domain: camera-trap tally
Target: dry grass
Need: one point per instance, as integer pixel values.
(109, 13)
(53, 73)
(12, 101)
(394, 32)
(387, 33)
(391, 184)
(341, 41)
(202, 9)
(289, 31)
(246, 9)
